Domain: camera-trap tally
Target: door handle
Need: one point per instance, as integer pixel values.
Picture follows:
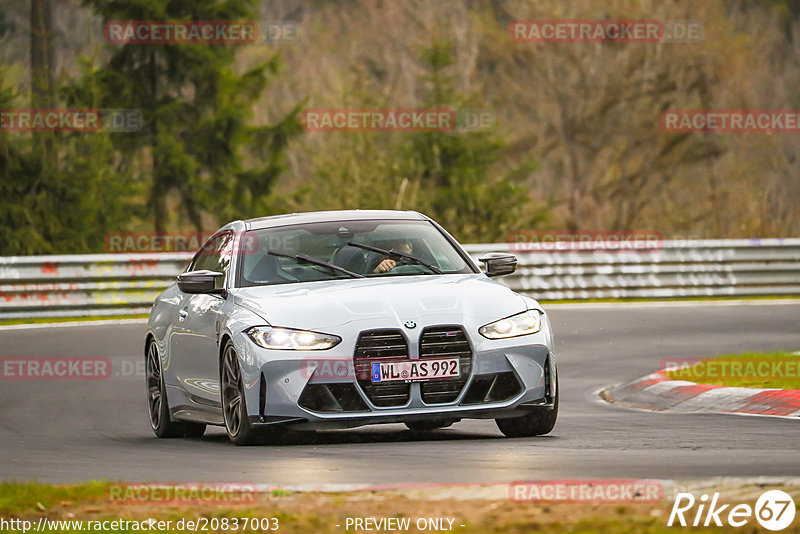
(183, 314)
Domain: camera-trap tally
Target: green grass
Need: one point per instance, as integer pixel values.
(305, 512)
(749, 370)
(42, 320)
(25, 498)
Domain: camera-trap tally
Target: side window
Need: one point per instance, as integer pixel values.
(215, 254)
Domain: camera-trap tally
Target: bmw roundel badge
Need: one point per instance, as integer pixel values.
(410, 324)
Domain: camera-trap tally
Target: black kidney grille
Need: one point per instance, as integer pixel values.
(381, 346)
(445, 342)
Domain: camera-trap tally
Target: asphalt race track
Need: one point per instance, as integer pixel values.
(68, 431)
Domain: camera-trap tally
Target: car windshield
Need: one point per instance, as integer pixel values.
(346, 249)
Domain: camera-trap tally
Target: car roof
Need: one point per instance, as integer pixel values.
(331, 216)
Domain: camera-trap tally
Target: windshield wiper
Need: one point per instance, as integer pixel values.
(316, 261)
(396, 254)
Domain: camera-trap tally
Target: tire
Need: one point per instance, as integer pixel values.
(234, 405)
(537, 423)
(158, 407)
(425, 426)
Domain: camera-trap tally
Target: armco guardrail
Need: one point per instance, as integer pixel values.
(92, 284)
(696, 268)
(121, 284)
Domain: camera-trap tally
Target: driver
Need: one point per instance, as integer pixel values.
(387, 264)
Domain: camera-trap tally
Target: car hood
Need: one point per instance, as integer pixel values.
(386, 301)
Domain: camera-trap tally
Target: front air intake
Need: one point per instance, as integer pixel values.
(332, 398)
(548, 382)
(496, 387)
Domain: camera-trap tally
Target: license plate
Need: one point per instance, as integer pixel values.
(415, 370)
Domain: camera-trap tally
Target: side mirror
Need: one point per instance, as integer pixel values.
(200, 282)
(499, 263)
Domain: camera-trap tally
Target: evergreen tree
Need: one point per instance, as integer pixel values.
(454, 168)
(58, 197)
(196, 142)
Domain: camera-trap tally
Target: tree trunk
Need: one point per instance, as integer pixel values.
(42, 66)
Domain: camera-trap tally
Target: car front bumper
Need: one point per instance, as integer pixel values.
(275, 382)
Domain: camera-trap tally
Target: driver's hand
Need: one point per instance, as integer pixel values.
(385, 266)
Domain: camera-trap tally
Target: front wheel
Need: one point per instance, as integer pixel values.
(160, 421)
(234, 405)
(537, 423)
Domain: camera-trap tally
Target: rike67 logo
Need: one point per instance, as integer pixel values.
(774, 510)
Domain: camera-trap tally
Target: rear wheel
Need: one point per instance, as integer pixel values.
(538, 422)
(157, 404)
(234, 405)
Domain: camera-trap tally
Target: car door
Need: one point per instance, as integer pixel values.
(194, 344)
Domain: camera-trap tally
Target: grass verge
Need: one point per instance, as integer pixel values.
(43, 320)
(749, 370)
(471, 511)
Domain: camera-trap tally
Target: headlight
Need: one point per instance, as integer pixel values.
(271, 337)
(527, 322)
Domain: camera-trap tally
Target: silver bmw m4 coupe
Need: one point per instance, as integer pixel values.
(345, 318)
